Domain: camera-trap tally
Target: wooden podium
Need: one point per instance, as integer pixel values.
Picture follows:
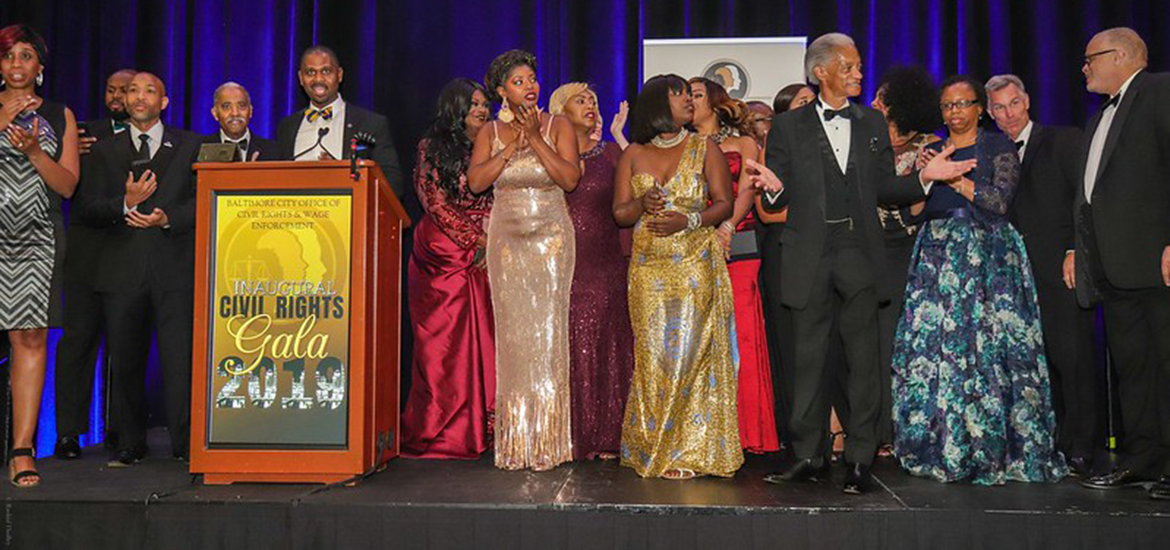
(296, 342)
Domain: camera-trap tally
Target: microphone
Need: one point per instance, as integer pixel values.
(320, 136)
(359, 146)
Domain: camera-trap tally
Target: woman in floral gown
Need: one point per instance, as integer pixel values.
(971, 388)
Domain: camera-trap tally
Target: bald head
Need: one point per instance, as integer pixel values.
(146, 98)
(1111, 57)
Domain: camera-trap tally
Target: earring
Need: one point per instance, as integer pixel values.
(505, 115)
(40, 78)
(1, 81)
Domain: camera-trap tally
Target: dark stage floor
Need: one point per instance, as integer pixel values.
(443, 504)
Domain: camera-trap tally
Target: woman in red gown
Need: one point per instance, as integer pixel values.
(726, 121)
(452, 390)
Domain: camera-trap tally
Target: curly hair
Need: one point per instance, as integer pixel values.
(731, 113)
(501, 67)
(447, 146)
(911, 99)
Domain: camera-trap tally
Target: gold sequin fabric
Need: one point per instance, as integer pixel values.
(681, 412)
(530, 261)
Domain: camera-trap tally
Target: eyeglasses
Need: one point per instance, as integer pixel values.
(960, 105)
(1089, 58)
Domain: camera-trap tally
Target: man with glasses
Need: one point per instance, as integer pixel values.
(1123, 247)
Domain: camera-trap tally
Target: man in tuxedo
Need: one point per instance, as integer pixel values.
(232, 109)
(325, 129)
(144, 198)
(832, 163)
(1122, 253)
(116, 115)
(83, 325)
(1042, 212)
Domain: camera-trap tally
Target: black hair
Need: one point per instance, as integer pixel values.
(977, 86)
(448, 147)
(320, 48)
(911, 99)
(501, 67)
(784, 97)
(17, 33)
(651, 114)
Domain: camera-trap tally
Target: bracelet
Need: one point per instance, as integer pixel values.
(727, 226)
(694, 220)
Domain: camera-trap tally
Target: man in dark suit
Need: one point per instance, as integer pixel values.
(145, 200)
(84, 321)
(232, 109)
(325, 129)
(835, 163)
(116, 115)
(1123, 247)
(1042, 212)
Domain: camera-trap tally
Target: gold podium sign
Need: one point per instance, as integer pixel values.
(279, 322)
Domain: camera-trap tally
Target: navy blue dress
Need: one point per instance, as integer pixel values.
(971, 390)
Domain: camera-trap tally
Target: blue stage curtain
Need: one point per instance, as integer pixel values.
(397, 54)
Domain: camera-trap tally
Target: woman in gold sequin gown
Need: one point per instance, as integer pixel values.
(531, 159)
(680, 418)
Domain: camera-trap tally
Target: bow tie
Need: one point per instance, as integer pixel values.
(1020, 144)
(314, 114)
(242, 144)
(844, 112)
(1112, 102)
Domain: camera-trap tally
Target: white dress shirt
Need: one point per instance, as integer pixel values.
(838, 130)
(154, 137)
(1024, 137)
(333, 141)
(1097, 145)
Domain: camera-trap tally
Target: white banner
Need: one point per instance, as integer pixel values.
(750, 68)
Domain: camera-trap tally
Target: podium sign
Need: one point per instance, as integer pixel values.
(279, 346)
(298, 271)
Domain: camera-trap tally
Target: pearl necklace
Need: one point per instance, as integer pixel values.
(660, 143)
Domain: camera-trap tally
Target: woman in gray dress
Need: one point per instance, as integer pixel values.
(38, 166)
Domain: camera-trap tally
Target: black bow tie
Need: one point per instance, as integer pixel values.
(242, 144)
(1112, 102)
(844, 112)
(1020, 144)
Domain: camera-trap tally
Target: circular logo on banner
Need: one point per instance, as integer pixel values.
(731, 75)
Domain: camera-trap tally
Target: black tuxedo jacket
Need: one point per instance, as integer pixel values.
(100, 129)
(135, 257)
(356, 120)
(796, 157)
(1131, 198)
(266, 147)
(1042, 210)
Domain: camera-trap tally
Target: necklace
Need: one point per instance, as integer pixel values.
(660, 143)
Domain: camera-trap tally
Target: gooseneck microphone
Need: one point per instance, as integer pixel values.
(321, 133)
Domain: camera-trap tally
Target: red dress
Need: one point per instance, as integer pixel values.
(757, 417)
(452, 392)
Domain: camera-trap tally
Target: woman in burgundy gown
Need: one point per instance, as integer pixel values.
(452, 391)
(726, 121)
(601, 340)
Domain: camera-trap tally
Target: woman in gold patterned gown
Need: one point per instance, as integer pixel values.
(680, 418)
(531, 159)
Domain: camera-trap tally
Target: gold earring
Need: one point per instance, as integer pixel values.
(505, 115)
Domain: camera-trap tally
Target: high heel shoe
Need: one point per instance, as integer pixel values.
(15, 478)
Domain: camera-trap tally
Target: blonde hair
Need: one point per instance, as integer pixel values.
(562, 95)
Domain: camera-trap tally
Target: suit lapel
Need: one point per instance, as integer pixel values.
(812, 154)
(348, 131)
(1033, 148)
(1131, 95)
(166, 153)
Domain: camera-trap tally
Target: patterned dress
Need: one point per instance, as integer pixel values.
(681, 413)
(530, 258)
(971, 388)
(28, 244)
(601, 341)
